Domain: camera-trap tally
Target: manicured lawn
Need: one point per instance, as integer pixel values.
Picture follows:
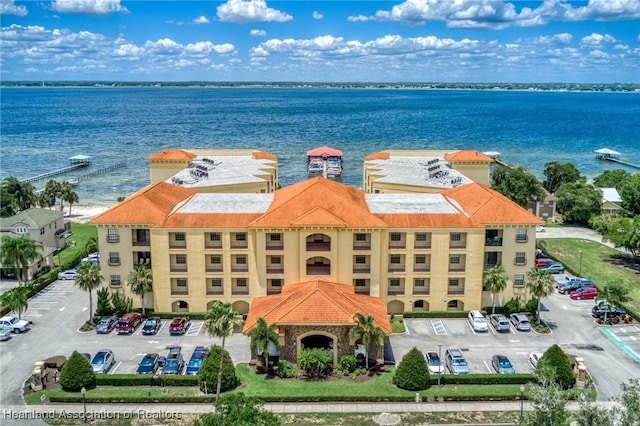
(80, 234)
(599, 263)
(397, 326)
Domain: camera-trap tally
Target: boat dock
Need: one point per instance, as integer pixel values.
(77, 162)
(606, 154)
(325, 162)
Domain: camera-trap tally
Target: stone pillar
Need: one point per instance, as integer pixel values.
(580, 371)
(36, 373)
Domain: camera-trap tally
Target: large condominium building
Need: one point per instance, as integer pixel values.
(416, 250)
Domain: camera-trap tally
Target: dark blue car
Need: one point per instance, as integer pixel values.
(195, 362)
(148, 364)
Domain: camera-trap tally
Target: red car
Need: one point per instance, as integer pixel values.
(584, 293)
(179, 325)
(128, 323)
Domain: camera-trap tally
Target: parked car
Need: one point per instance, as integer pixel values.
(584, 293)
(174, 362)
(434, 363)
(477, 321)
(553, 268)
(69, 274)
(195, 362)
(87, 356)
(5, 333)
(179, 325)
(455, 361)
(572, 284)
(151, 326)
(106, 325)
(499, 322)
(103, 361)
(502, 365)
(520, 322)
(14, 324)
(128, 323)
(534, 357)
(148, 364)
(598, 311)
(540, 228)
(541, 261)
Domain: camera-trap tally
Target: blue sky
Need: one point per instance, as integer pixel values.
(322, 41)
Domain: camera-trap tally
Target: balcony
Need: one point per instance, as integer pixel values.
(493, 241)
(421, 245)
(275, 269)
(239, 291)
(239, 245)
(274, 245)
(395, 291)
(490, 265)
(214, 268)
(113, 239)
(239, 268)
(141, 243)
(274, 290)
(397, 244)
(520, 261)
(397, 267)
(114, 261)
(178, 268)
(421, 290)
(362, 245)
(455, 290)
(363, 290)
(177, 244)
(421, 267)
(179, 291)
(318, 270)
(361, 269)
(319, 246)
(456, 267)
(457, 244)
(215, 291)
(213, 244)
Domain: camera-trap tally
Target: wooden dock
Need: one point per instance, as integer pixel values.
(606, 154)
(624, 163)
(53, 173)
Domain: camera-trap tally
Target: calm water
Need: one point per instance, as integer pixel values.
(42, 127)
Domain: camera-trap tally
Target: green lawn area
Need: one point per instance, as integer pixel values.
(80, 234)
(600, 263)
(117, 392)
(397, 326)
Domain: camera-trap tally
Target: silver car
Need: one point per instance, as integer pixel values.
(456, 362)
(5, 333)
(520, 322)
(103, 361)
(499, 322)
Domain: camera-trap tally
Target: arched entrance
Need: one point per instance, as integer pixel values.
(318, 339)
(240, 307)
(179, 306)
(455, 305)
(420, 306)
(395, 307)
(318, 265)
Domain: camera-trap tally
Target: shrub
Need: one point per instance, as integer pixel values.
(513, 305)
(121, 304)
(236, 409)
(412, 373)
(103, 306)
(285, 370)
(560, 366)
(532, 305)
(315, 362)
(209, 371)
(77, 373)
(347, 364)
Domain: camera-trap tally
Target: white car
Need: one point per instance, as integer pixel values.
(540, 228)
(534, 357)
(434, 363)
(14, 324)
(69, 274)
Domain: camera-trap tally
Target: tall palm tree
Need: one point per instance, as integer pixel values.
(16, 300)
(368, 332)
(91, 245)
(89, 279)
(540, 285)
(262, 336)
(69, 195)
(495, 281)
(140, 281)
(222, 320)
(51, 192)
(18, 253)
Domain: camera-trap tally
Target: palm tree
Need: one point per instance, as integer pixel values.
(88, 279)
(495, 281)
(23, 193)
(69, 195)
(262, 336)
(91, 245)
(18, 253)
(16, 300)
(540, 285)
(51, 192)
(368, 332)
(222, 320)
(140, 281)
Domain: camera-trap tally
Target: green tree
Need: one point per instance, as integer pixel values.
(19, 195)
(314, 361)
(368, 332)
(18, 253)
(630, 194)
(262, 336)
(556, 174)
(16, 299)
(578, 202)
(103, 305)
(589, 414)
(412, 372)
(77, 373)
(92, 245)
(548, 401)
(616, 292)
(140, 281)
(495, 281)
(517, 184)
(540, 284)
(51, 193)
(121, 304)
(221, 320)
(89, 279)
(236, 409)
(630, 402)
(611, 178)
(559, 366)
(67, 194)
(210, 367)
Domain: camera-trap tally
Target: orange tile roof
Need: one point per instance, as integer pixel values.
(261, 155)
(316, 302)
(470, 156)
(382, 155)
(318, 201)
(429, 220)
(208, 220)
(171, 154)
(486, 206)
(148, 206)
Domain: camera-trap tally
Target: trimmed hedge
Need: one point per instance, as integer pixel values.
(440, 314)
(484, 379)
(143, 380)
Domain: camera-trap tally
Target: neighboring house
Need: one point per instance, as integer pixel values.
(611, 201)
(546, 209)
(420, 251)
(45, 226)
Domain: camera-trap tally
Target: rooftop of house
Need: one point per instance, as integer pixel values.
(33, 218)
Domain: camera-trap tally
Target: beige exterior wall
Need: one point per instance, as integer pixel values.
(161, 170)
(477, 172)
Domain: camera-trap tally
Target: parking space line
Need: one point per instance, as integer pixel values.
(114, 369)
(487, 365)
(439, 328)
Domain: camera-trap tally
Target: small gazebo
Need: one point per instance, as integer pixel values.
(317, 314)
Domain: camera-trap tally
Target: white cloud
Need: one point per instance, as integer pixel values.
(317, 15)
(258, 33)
(244, 11)
(89, 7)
(8, 7)
(596, 40)
(200, 20)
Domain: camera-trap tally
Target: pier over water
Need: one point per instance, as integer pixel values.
(607, 154)
(77, 162)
